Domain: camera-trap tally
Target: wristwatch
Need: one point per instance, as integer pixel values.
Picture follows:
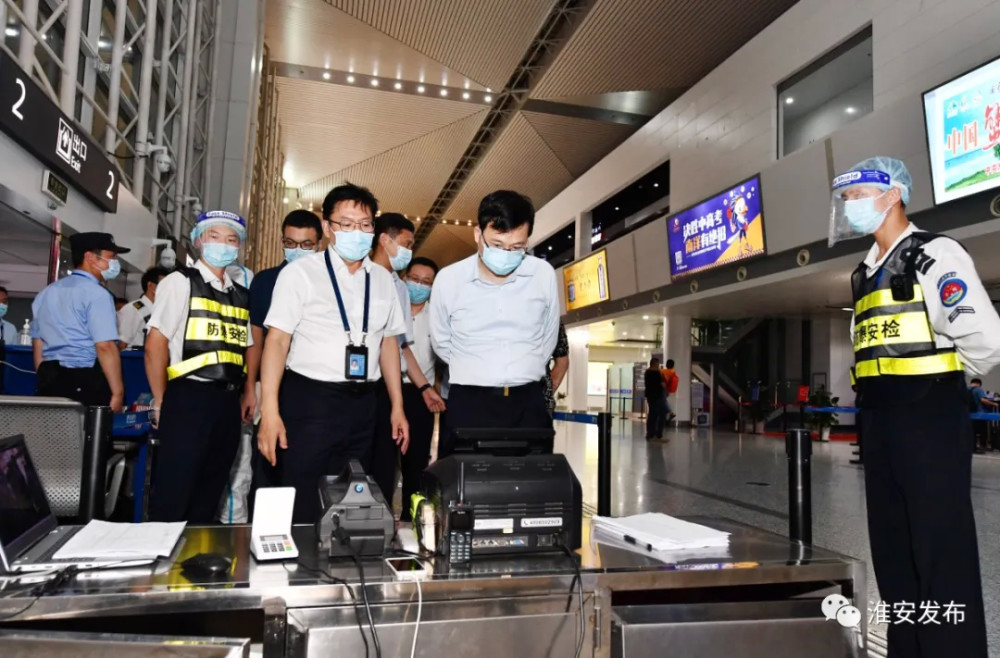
(425, 387)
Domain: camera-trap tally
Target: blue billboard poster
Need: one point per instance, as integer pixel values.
(725, 229)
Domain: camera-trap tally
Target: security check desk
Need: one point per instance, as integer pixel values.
(759, 596)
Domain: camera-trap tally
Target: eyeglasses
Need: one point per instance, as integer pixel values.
(292, 244)
(366, 226)
(521, 250)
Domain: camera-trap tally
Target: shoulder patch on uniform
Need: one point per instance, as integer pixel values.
(138, 305)
(944, 278)
(959, 311)
(952, 291)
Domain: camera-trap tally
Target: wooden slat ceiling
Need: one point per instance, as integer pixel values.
(578, 143)
(448, 243)
(653, 44)
(482, 39)
(327, 128)
(520, 160)
(422, 165)
(312, 33)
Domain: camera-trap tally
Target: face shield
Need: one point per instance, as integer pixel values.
(857, 205)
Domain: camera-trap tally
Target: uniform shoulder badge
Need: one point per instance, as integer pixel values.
(952, 290)
(137, 305)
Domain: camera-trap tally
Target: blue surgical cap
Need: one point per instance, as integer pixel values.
(894, 174)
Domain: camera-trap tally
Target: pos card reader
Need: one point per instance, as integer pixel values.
(271, 533)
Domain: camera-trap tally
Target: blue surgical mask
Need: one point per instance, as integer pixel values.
(114, 269)
(352, 245)
(401, 259)
(292, 255)
(3, 307)
(500, 261)
(862, 215)
(419, 293)
(218, 254)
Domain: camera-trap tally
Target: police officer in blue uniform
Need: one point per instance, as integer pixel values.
(75, 329)
(921, 320)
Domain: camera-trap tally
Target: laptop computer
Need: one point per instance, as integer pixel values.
(29, 532)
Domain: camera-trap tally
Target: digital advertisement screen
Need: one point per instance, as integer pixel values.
(724, 229)
(962, 118)
(586, 281)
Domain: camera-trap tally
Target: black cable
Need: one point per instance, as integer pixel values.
(344, 538)
(577, 578)
(350, 590)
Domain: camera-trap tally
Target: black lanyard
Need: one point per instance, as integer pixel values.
(340, 301)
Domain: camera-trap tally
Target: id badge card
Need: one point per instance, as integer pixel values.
(356, 365)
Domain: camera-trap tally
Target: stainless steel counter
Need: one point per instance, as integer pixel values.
(295, 609)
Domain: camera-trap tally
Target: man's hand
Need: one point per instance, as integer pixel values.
(400, 429)
(117, 402)
(154, 413)
(435, 403)
(271, 434)
(249, 404)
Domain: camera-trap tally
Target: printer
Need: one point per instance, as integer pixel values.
(519, 504)
(355, 518)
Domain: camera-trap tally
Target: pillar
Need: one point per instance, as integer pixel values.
(584, 225)
(677, 346)
(579, 357)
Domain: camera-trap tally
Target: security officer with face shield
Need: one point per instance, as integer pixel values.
(921, 319)
(198, 335)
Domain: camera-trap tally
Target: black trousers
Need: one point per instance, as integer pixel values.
(657, 418)
(88, 386)
(385, 453)
(418, 455)
(327, 425)
(199, 435)
(477, 407)
(918, 472)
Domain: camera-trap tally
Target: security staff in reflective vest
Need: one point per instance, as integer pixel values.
(921, 319)
(195, 347)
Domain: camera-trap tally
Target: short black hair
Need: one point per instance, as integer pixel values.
(153, 275)
(78, 256)
(392, 224)
(654, 361)
(426, 262)
(977, 380)
(362, 196)
(505, 211)
(670, 363)
(4, 290)
(303, 219)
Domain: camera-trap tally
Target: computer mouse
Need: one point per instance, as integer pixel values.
(207, 565)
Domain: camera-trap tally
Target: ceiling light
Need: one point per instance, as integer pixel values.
(656, 184)
(488, 98)
(465, 95)
(624, 333)
(466, 84)
(418, 219)
(350, 78)
(11, 31)
(285, 200)
(616, 207)
(846, 308)
(326, 75)
(850, 110)
(444, 92)
(374, 82)
(643, 336)
(420, 89)
(550, 247)
(489, 90)
(645, 317)
(789, 100)
(398, 86)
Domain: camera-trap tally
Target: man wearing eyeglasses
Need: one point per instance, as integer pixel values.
(301, 235)
(332, 329)
(495, 320)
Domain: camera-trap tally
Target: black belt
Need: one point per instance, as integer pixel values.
(214, 383)
(502, 391)
(345, 388)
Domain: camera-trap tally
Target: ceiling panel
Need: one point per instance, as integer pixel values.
(653, 44)
(326, 128)
(519, 160)
(312, 33)
(24, 242)
(422, 165)
(482, 40)
(578, 143)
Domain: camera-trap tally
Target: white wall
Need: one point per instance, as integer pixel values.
(724, 128)
(833, 354)
(820, 122)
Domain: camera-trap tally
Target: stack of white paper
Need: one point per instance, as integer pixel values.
(121, 541)
(654, 532)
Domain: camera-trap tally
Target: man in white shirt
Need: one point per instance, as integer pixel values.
(8, 332)
(332, 329)
(132, 318)
(921, 319)
(195, 347)
(393, 242)
(494, 321)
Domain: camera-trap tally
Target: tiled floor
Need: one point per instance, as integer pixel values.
(700, 472)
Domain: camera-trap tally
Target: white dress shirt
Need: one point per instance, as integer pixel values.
(132, 322)
(305, 306)
(970, 324)
(173, 302)
(495, 334)
(420, 343)
(404, 307)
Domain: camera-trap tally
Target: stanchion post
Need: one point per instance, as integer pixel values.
(96, 443)
(798, 449)
(604, 464)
